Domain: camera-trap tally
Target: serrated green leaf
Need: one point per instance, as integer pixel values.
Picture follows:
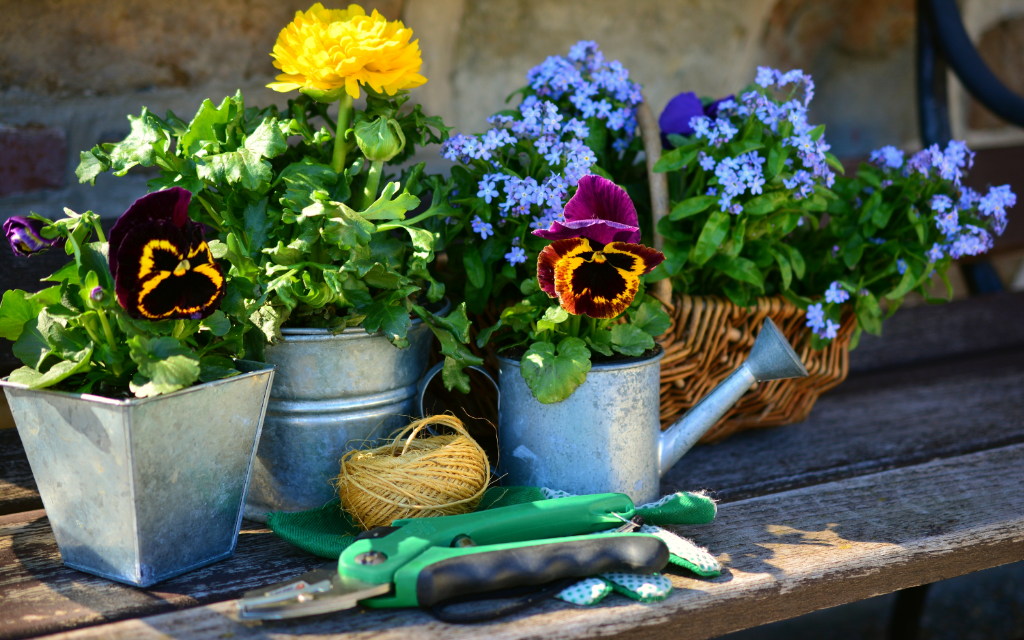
(90, 166)
(243, 167)
(389, 206)
(389, 317)
(344, 228)
(146, 141)
(553, 374)
(202, 129)
(165, 364)
(691, 207)
(267, 140)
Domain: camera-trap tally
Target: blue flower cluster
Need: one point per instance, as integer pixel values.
(595, 88)
(822, 327)
(961, 238)
(553, 124)
(736, 175)
(731, 117)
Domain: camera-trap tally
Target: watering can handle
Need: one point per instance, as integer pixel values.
(425, 382)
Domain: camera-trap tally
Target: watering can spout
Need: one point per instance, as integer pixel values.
(771, 358)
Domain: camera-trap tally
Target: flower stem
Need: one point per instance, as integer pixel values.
(372, 182)
(345, 112)
(109, 333)
(98, 228)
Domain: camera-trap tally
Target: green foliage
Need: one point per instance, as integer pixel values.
(296, 246)
(75, 337)
(562, 345)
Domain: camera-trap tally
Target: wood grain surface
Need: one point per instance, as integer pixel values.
(785, 554)
(17, 487)
(933, 332)
(39, 595)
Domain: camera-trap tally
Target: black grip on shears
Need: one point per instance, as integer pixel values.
(537, 565)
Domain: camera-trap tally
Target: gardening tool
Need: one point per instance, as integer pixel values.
(606, 436)
(427, 561)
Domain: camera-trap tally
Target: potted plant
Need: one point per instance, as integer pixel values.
(762, 227)
(323, 260)
(138, 422)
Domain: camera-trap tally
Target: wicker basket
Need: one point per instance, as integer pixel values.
(710, 337)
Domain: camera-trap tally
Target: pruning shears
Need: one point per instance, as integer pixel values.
(422, 562)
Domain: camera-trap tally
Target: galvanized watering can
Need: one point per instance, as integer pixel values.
(606, 436)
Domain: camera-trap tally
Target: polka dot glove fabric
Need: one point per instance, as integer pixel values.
(676, 508)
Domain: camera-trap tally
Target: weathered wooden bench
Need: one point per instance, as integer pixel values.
(908, 473)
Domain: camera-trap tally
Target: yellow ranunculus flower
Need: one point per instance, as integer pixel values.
(327, 49)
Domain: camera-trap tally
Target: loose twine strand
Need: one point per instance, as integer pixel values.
(436, 476)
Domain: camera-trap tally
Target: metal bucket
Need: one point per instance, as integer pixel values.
(602, 438)
(331, 393)
(142, 490)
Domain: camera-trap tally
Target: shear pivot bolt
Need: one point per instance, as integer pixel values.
(371, 557)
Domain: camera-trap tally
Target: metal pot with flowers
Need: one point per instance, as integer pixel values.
(140, 425)
(310, 216)
(761, 226)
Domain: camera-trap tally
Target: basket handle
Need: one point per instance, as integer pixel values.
(659, 188)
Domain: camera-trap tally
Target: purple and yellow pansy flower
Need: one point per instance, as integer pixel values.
(161, 263)
(595, 263)
(25, 236)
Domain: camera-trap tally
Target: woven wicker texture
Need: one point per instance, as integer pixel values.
(710, 337)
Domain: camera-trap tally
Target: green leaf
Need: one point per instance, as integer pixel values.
(853, 251)
(217, 323)
(691, 207)
(817, 132)
(304, 178)
(257, 226)
(796, 260)
(243, 167)
(146, 140)
(601, 342)
(869, 314)
(675, 159)
(784, 267)
(390, 317)
(203, 128)
(739, 269)
(55, 374)
(553, 377)
(648, 316)
(386, 208)
(905, 285)
(452, 332)
(630, 340)
(165, 364)
(344, 228)
(68, 273)
(711, 237)
(267, 140)
(776, 162)
(473, 265)
(17, 308)
(765, 203)
(268, 319)
(556, 315)
(216, 368)
(90, 166)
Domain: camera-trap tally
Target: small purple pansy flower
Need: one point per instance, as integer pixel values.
(25, 236)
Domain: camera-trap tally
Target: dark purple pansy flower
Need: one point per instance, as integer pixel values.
(676, 116)
(600, 210)
(25, 236)
(162, 266)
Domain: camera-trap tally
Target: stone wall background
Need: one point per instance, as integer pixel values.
(71, 70)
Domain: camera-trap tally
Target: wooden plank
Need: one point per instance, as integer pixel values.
(40, 595)
(785, 554)
(17, 487)
(930, 333)
(869, 423)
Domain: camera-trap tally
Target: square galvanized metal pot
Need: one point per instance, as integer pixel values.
(142, 490)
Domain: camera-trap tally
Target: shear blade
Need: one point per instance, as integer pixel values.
(308, 596)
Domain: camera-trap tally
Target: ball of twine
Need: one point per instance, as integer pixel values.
(436, 476)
